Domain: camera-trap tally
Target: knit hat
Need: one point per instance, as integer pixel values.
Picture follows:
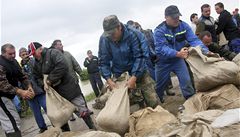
(32, 47)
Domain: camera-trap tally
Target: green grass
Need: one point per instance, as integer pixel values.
(90, 97)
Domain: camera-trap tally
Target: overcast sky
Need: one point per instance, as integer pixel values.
(78, 23)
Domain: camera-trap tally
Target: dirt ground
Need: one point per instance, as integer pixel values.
(29, 127)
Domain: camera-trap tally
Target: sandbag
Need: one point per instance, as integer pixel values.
(228, 118)
(148, 120)
(114, 116)
(51, 132)
(59, 109)
(210, 72)
(99, 134)
(223, 97)
(236, 59)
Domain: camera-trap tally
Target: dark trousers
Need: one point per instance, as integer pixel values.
(96, 82)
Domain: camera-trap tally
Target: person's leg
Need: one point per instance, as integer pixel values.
(99, 82)
(9, 118)
(147, 86)
(162, 78)
(180, 69)
(17, 104)
(151, 68)
(36, 108)
(234, 45)
(94, 84)
(83, 111)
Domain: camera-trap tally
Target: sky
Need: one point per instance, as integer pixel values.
(78, 23)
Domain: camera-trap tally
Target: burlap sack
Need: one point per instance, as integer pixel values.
(114, 116)
(59, 110)
(148, 120)
(210, 72)
(99, 134)
(236, 59)
(222, 97)
(51, 132)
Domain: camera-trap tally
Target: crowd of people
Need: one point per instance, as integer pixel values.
(148, 57)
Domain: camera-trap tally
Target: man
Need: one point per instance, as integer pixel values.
(206, 22)
(194, 20)
(53, 63)
(10, 75)
(91, 62)
(227, 26)
(237, 17)
(124, 49)
(39, 101)
(73, 66)
(206, 38)
(170, 38)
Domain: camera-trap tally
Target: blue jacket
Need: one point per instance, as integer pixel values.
(168, 40)
(129, 54)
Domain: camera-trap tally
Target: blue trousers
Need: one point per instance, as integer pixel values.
(96, 83)
(35, 104)
(17, 104)
(178, 66)
(234, 45)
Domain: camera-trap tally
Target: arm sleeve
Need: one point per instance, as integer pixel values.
(162, 46)
(105, 57)
(200, 28)
(86, 62)
(60, 66)
(140, 53)
(4, 85)
(76, 66)
(221, 24)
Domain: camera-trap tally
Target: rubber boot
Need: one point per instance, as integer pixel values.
(14, 134)
(88, 120)
(65, 128)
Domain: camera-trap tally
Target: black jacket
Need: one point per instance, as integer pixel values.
(10, 75)
(227, 26)
(228, 55)
(55, 66)
(92, 65)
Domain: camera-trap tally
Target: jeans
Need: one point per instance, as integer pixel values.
(234, 45)
(96, 82)
(35, 104)
(17, 104)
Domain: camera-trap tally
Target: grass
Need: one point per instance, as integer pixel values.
(90, 97)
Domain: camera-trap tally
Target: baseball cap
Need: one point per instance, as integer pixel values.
(172, 11)
(109, 24)
(32, 47)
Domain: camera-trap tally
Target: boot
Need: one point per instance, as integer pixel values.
(14, 134)
(65, 128)
(88, 120)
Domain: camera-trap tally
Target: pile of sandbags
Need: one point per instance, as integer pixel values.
(114, 117)
(148, 120)
(210, 72)
(204, 107)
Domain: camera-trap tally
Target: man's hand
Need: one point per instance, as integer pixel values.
(183, 53)
(25, 94)
(131, 83)
(111, 84)
(46, 85)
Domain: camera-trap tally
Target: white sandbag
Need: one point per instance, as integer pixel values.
(228, 118)
(210, 72)
(59, 109)
(114, 116)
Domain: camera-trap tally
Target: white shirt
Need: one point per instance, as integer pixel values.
(193, 26)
